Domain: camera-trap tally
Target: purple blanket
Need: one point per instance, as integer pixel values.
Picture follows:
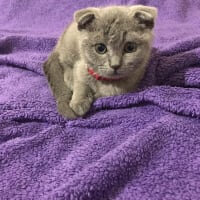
(139, 146)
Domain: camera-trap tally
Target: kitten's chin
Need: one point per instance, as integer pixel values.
(99, 75)
(110, 74)
(119, 73)
(115, 75)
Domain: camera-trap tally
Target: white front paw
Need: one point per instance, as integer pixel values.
(80, 107)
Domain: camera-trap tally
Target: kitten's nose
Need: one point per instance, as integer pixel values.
(115, 62)
(115, 67)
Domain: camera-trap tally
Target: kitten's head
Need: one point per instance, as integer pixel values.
(115, 41)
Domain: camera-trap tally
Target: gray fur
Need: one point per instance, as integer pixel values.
(66, 68)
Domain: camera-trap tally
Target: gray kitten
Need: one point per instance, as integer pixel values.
(102, 53)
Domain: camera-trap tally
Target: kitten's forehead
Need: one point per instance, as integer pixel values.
(114, 26)
(114, 20)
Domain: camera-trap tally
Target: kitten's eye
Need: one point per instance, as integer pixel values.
(130, 47)
(100, 48)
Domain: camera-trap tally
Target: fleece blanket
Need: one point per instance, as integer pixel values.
(138, 146)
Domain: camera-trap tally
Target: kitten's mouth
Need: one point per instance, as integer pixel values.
(115, 72)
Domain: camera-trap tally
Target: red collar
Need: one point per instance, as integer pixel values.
(101, 78)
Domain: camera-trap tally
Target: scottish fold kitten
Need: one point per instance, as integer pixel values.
(103, 52)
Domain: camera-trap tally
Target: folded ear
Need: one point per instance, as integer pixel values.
(85, 17)
(144, 16)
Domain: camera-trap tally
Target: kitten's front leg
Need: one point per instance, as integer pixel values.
(82, 98)
(61, 91)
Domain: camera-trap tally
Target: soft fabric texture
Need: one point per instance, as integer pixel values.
(142, 146)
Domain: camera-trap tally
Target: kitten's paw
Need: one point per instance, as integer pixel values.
(81, 107)
(65, 110)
